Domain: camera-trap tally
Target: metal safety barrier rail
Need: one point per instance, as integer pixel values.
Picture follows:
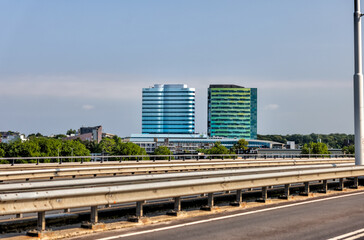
(32, 166)
(71, 183)
(47, 200)
(155, 167)
(61, 159)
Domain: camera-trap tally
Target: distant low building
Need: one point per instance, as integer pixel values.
(87, 134)
(108, 135)
(9, 136)
(291, 145)
(189, 143)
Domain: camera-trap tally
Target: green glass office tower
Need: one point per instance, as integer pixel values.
(232, 112)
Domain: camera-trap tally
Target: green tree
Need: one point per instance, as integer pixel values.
(128, 148)
(202, 150)
(71, 131)
(59, 136)
(107, 145)
(162, 150)
(24, 149)
(2, 152)
(315, 148)
(240, 147)
(218, 149)
(92, 146)
(48, 147)
(349, 149)
(74, 148)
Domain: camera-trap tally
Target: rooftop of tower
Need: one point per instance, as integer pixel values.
(224, 86)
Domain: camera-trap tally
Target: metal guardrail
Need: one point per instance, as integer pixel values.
(154, 167)
(71, 183)
(26, 166)
(41, 201)
(81, 159)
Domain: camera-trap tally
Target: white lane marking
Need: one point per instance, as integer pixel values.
(229, 216)
(355, 237)
(347, 235)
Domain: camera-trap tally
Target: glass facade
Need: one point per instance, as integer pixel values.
(232, 112)
(168, 108)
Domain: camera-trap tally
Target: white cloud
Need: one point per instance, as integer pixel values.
(88, 107)
(271, 107)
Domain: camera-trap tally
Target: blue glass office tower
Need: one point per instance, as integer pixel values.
(232, 111)
(168, 108)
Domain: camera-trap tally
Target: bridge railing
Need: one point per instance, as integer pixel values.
(120, 158)
(27, 172)
(56, 199)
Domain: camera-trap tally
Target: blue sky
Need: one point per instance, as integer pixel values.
(66, 64)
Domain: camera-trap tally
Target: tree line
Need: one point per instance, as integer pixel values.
(334, 140)
(40, 146)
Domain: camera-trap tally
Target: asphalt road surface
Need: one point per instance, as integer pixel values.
(335, 217)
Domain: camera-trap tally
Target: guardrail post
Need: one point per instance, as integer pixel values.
(324, 186)
(139, 209)
(177, 207)
(177, 204)
(210, 202)
(355, 183)
(94, 215)
(307, 189)
(138, 213)
(264, 195)
(94, 219)
(41, 224)
(286, 192)
(341, 185)
(239, 199)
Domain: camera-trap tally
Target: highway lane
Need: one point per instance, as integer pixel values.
(322, 218)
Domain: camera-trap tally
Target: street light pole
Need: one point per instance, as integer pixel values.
(358, 87)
